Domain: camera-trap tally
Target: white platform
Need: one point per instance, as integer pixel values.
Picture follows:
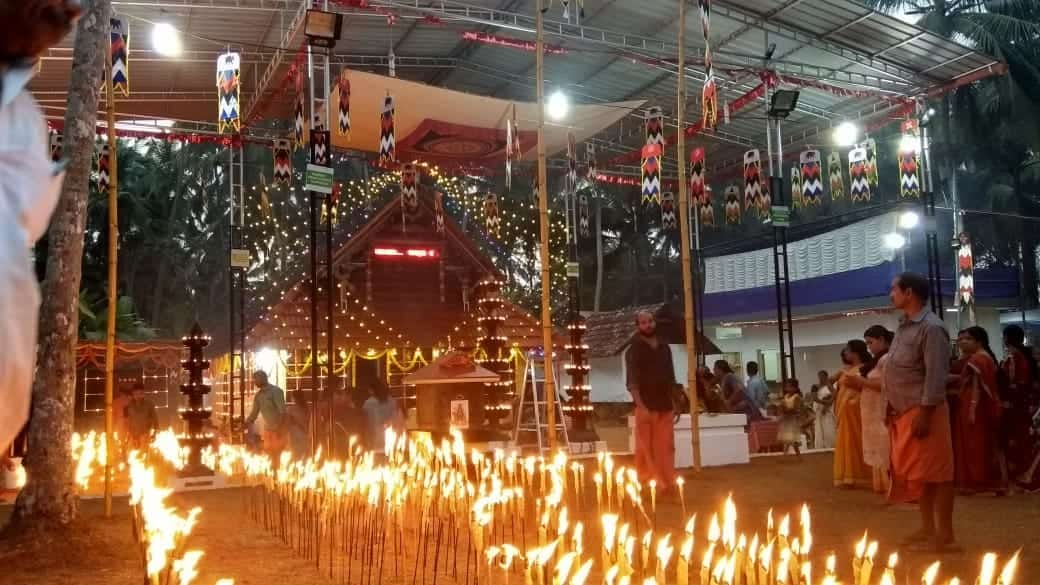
(723, 440)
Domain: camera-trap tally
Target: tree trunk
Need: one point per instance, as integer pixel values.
(599, 256)
(49, 497)
(1027, 270)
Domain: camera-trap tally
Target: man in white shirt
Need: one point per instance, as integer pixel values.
(29, 188)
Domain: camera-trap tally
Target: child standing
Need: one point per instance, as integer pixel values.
(791, 417)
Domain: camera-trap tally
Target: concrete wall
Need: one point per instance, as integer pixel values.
(817, 347)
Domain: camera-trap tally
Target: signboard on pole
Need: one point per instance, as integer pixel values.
(780, 215)
(318, 179)
(239, 258)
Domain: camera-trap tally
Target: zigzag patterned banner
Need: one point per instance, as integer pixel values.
(732, 204)
(591, 169)
(387, 142)
(120, 54)
(492, 221)
(655, 126)
(344, 102)
(438, 211)
(872, 167)
(707, 209)
(909, 164)
(572, 164)
(409, 188)
(512, 146)
(697, 190)
(709, 94)
(651, 171)
(797, 197)
(298, 114)
(228, 67)
(584, 221)
(860, 183)
(102, 168)
(836, 176)
(281, 151)
(811, 177)
(965, 275)
(321, 147)
(756, 191)
(668, 221)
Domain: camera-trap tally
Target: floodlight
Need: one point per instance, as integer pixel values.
(166, 40)
(893, 241)
(846, 134)
(558, 105)
(323, 29)
(784, 102)
(908, 220)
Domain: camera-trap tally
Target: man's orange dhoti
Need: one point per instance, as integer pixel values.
(915, 461)
(655, 447)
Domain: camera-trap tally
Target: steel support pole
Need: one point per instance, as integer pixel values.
(684, 249)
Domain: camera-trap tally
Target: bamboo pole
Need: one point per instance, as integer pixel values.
(543, 214)
(684, 246)
(113, 237)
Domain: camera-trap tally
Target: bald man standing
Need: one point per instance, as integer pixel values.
(651, 379)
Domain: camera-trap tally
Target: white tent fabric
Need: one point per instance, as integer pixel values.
(415, 102)
(847, 248)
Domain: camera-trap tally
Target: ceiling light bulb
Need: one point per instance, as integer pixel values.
(845, 134)
(558, 105)
(166, 40)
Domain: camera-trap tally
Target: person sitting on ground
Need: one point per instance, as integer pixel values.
(141, 418)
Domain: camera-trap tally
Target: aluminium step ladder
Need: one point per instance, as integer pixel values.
(531, 410)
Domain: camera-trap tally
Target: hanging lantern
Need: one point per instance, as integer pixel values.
(909, 163)
(860, 184)
(344, 102)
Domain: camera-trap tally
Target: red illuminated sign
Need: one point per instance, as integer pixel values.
(401, 252)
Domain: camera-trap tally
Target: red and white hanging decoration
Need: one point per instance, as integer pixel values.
(965, 298)
(797, 197)
(344, 102)
(756, 191)
(859, 189)
(872, 166)
(668, 221)
(811, 177)
(572, 164)
(409, 189)
(707, 209)
(909, 163)
(590, 162)
(709, 94)
(651, 174)
(567, 8)
(282, 162)
(584, 221)
(55, 146)
(387, 142)
(102, 169)
(732, 204)
(321, 148)
(120, 50)
(836, 176)
(298, 114)
(655, 126)
(512, 146)
(492, 220)
(438, 211)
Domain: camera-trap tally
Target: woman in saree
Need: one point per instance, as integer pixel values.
(849, 469)
(976, 423)
(873, 406)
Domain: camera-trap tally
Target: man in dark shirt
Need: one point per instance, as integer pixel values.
(651, 380)
(141, 419)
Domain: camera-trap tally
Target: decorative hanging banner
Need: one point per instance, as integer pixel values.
(872, 168)
(298, 113)
(102, 168)
(409, 188)
(492, 221)
(566, 8)
(668, 221)
(282, 162)
(55, 146)
(909, 164)
(523, 45)
(756, 192)
(811, 177)
(321, 148)
(707, 209)
(120, 48)
(512, 146)
(344, 102)
(387, 142)
(584, 223)
(265, 203)
(590, 162)
(697, 190)
(228, 66)
(572, 164)
(965, 276)
(836, 176)
(732, 204)
(797, 197)
(438, 211)
(860, 184)
(655, 126)
(709, 94)
(651, 168)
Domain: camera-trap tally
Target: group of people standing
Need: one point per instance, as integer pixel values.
(917, 425)
(364, 414)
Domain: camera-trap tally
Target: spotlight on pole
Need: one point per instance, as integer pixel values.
(166, 40)
(783, 102)
(893, 241)
(908, 220)
(558, 105)
(846, 134)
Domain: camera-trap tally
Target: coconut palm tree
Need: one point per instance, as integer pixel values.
(49, 497)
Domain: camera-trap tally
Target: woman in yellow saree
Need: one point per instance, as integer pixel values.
(849, 469)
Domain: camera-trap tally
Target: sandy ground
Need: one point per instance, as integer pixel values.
(100, 551)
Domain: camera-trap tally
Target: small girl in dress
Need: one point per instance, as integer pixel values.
(791, 417)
